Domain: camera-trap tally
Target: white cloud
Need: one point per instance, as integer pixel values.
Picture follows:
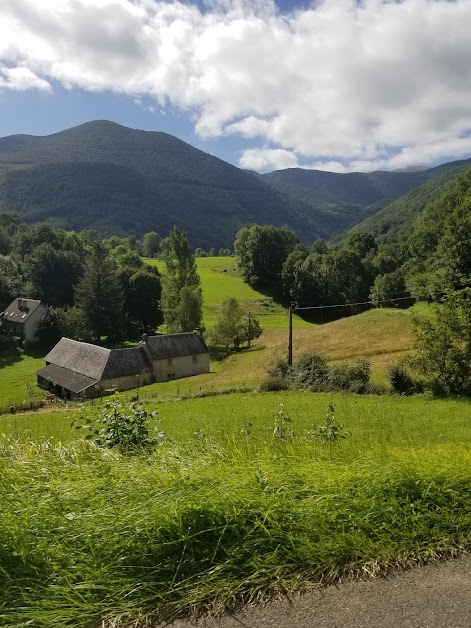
(263, 159)
(358, 85)
(21, 79)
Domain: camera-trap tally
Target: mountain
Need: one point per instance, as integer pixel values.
(355, 188)
(117, 180)
(104, 176)
(394, 222)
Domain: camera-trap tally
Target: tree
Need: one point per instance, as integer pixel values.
(443, 345)
(180, 273)
(262, 252)
(386, 287)
(189, 311)
(52, 273)
(151, 244)
(11, 281)
(99, 295)
(233, 327)
(73, 324)
(48, 330)
(142, 293)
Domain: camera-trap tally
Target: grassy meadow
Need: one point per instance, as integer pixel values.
(225, 512)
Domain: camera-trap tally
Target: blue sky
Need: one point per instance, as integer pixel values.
(332, 84)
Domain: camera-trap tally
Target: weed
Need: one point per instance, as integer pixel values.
(330, 431)
(280, 430)
(124, 427)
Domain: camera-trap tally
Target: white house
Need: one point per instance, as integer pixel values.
(21, 318)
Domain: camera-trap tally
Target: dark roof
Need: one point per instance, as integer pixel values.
(81, 357)
(66, 378)
(96, 362)
(123, 362)
(175, 345)
(19, 310)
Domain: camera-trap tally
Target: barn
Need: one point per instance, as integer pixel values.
(79, 370)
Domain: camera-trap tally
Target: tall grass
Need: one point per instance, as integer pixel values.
(224, 512)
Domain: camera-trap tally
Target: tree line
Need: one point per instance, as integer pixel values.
(97, 287)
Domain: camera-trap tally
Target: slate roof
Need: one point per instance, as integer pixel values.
(123, 362)
(81, 357)
(175, 345)
(76, 382)
(93, 362)
(20, 310)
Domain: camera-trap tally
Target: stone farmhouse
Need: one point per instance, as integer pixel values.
(79, 370)
(21, 317)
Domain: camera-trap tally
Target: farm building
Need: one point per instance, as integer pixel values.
(79, 370)
(21, 318)
(176, 355)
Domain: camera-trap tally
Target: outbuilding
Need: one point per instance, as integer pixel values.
(176, 355)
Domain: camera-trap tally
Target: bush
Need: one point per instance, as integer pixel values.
(279, 369)
(400, 381)
(352, 377)
(7, 343)
(273, 383)
(310, 371)
(124, 427)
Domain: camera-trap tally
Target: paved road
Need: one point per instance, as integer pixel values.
(432, 596)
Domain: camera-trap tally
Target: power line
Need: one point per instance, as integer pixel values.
(321, 307)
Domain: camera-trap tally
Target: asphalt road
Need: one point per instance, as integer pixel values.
(431, 596)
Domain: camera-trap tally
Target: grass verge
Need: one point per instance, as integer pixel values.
(224, 512)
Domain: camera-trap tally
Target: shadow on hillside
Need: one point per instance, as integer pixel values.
(219, 353)
(11, 355)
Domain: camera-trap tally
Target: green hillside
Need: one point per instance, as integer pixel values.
(394, 222)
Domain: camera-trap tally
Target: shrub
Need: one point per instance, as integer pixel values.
(280, 368)
(7, 342)
(352, 377)
(310, 371)
(124, 427)
(273, 383)
(400, 381)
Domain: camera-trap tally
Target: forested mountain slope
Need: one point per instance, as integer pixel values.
(394, 222)
(117, 180)
(104, 176)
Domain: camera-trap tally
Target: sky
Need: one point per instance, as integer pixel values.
(339, 85)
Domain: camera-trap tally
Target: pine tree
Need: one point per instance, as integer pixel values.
(99, 295)
(182, 311)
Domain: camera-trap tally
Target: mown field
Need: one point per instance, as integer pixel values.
(224, 511)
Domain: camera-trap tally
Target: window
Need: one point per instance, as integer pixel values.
(170, 362)
(195, 358)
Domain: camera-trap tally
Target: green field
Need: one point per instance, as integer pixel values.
(224, 512)
(220, 279)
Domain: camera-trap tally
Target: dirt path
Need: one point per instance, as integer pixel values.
(433, 596)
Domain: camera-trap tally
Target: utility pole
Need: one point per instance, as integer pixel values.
(290, 338)
(250, 330)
